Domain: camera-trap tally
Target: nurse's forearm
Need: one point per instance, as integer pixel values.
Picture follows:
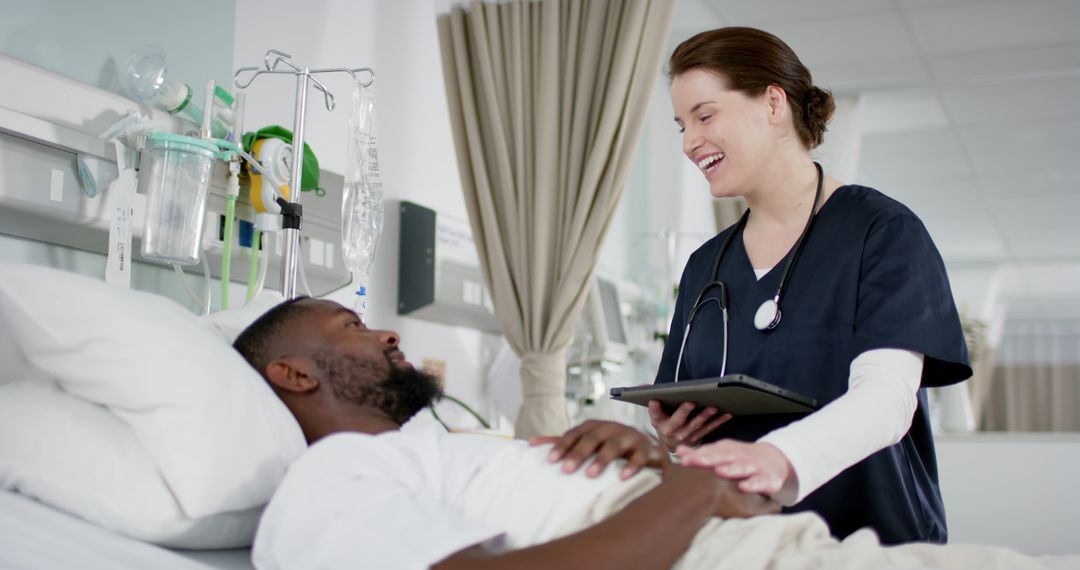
(875, 413)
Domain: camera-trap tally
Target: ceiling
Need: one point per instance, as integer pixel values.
(970, 116)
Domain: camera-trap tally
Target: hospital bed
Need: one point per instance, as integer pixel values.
(33, 536)
(62, 483)
(109, 449)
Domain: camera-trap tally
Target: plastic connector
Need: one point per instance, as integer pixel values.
(267, 223)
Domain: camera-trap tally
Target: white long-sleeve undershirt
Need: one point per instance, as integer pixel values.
(876, 412)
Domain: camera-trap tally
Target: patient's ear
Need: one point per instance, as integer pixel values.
(292, 374)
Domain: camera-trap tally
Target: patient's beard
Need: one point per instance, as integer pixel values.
(399, 393)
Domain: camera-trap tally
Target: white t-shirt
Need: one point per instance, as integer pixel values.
(408, 499)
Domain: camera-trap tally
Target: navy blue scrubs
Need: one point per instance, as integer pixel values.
(868, 277)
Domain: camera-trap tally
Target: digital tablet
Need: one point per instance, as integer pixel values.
(738, 394)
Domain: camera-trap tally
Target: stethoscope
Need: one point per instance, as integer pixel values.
(768, 314)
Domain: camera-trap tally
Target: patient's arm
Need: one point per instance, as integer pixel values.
(604, 441)
(651, 532)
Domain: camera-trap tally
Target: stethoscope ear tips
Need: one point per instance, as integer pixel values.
(767, 315)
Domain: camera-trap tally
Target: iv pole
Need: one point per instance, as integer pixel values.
(291, 210)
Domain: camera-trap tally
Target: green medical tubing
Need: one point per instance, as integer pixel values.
(463, 405)
(226, 147)
(226, 257)
(253, 266)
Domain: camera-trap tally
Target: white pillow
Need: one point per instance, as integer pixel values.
(233, 322)
(217, 434)
(80, 458)
(13, 365)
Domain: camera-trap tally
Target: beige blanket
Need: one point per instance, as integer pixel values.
(519, 491)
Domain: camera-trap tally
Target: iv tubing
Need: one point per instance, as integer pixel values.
(130, 119)
(263, 270)
(190, 292)
(265, 263)
(253, 264)
(208, 113)
(232, 191)
(206, 282)
(303, 277)
(226, 256)
(203, 306)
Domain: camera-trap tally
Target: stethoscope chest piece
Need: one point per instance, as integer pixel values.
(767, 315)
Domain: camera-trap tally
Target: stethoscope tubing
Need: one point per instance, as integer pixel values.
(686, 334)
(723, 299)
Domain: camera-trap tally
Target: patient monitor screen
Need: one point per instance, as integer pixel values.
(609, 300)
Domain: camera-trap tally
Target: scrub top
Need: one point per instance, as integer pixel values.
(868, 277)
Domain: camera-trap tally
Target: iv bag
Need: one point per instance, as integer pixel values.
(361, 208)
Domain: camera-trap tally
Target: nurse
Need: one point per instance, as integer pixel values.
(833, 290)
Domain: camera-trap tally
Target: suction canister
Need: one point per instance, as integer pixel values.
(176, 173)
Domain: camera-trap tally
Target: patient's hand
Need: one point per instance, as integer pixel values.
(729, 501)
(604, 441)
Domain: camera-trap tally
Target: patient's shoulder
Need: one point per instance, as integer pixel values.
(395, 455)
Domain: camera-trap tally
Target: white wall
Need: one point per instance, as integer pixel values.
(87, 40)
(839, 152)
(416, 154)
(1015, 490)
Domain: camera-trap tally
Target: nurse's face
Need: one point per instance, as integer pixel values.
(726, 134)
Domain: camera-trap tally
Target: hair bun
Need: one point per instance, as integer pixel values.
(819, 109)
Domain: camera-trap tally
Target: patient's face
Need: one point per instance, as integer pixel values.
(328, 324)
(364, 366)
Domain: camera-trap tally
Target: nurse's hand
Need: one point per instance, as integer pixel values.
(758, 467)
(726, 499)
(681, 429)
(604, 442)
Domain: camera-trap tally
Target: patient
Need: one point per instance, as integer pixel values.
(368, 493)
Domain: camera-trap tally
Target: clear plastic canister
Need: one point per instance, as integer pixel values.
(175, 174)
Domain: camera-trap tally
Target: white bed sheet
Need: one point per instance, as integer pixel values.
(35, 536)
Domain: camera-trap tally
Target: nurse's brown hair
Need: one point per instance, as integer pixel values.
(749, 60)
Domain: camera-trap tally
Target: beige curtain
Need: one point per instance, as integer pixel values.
(1035, 382)
(547, 100)
(981, 384)
(727, 211)
(1033, 398)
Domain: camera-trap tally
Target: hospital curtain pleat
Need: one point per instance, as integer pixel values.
(1035, 384)
(727, 211)
(981, 384)
(1034, 398)
(547, 101)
